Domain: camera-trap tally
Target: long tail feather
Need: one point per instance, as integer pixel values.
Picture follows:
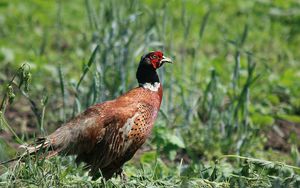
(40, 148)
(10, 160)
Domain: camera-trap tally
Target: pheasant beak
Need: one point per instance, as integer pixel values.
(166, 60)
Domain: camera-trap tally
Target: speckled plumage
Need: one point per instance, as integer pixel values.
(107, 135)
(139, 105)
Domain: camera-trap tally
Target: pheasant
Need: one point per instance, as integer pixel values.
(107, 135)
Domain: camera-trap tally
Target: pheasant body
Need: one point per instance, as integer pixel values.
(107, 135)
(130, 123)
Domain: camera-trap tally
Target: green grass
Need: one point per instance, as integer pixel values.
(236, 73)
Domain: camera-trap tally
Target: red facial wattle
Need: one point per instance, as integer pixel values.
(155, 63)
(155, 59)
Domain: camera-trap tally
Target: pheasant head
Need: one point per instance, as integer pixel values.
(146, 72)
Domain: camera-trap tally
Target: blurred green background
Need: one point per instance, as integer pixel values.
(230, 115)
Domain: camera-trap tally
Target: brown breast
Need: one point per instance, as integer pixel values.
(137, 128)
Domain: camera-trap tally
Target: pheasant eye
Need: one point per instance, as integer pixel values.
(154, 57)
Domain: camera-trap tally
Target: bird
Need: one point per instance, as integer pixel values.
(107, 135)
